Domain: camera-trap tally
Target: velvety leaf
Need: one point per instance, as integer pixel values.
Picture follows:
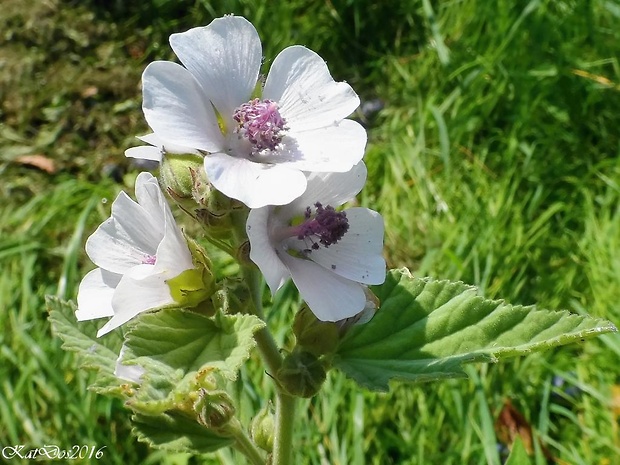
(81, 338)
(426, 329)
(182, 351)
(175, 432)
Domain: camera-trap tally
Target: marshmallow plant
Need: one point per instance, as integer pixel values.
(269, 172)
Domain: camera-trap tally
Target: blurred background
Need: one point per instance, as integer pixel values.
(494, 157)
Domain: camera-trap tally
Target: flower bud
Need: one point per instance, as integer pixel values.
(302, 374)
(214, 408)
(185, 180)
(179, 174)
(313, 335)
(262, 429)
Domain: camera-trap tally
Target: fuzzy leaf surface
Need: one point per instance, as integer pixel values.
(182, 351)
(427, 329)
(96, 354)
(175, 432)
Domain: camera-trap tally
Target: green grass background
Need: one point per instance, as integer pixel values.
(495, 159)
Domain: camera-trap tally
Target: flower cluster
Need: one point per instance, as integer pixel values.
(281, 146)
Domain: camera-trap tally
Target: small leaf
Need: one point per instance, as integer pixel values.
(95, 355)
(175, 432)
(426, 329)
(180, 351)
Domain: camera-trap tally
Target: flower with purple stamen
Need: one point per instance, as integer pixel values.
(330, 255)
(257, 140)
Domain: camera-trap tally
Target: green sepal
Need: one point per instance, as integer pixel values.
(426, 330)
(313, 335)
(195, 285)
(302, 374)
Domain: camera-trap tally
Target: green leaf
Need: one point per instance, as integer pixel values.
(82, 340)
(426, 329)
(173, 431)
(518, 454)
(181, 351)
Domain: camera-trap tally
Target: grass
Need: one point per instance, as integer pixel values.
(495, 159)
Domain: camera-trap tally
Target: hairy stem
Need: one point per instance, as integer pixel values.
(245, 445)
(283, 434)
(285, 403)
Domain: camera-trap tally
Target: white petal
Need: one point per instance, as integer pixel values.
(331, 148)
(329, 296)
(177, 109)
(327, 188)
(358, 255)
(95, 293)
(151, 199)
(145, 152)
(129, 237)
(173, 255)
(254, 184)
(156, 149)
(307, 95)
(225, 58)
(132, 373)
(138, 291)
(262, 251)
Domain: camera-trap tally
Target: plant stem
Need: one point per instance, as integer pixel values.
(285, 403)
(283, 434)
(245, 445)
(264, 339)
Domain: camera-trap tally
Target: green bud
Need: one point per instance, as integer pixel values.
(214, 409)
(302, 374)
(179, 175)
(313, 335)
(262, 429)
(185, 180)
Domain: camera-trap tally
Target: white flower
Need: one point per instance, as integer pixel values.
(137, 250)
(255, 147)
(330, 255)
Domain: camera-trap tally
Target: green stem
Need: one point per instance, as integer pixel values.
(283, 434)
(245, 445)
(264, 339)
(285, 403)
